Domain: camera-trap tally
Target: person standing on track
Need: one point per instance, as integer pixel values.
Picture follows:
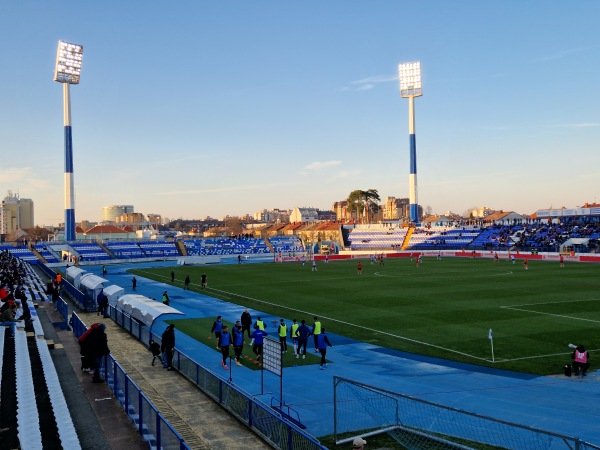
(303, 333)
(258, 336)
(316, 330)
(217, 328)
(246, 320)
(323, 343)
(223, 343)
(282, 331)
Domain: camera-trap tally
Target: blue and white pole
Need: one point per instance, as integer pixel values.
(414, 205)
(67, 71)
(411, 86)
(70, 234)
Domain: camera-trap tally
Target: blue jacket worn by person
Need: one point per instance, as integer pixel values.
(258, 336)
(225, 339)
(323, 341)
(238, 337)
(217, 327)
(303, 332)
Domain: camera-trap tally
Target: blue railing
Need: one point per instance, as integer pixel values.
(149, 422)
(83, 301)
(263, 420)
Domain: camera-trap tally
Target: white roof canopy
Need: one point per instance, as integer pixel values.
(92, 281)
(143, 308)
(74, 271)
(113, 289)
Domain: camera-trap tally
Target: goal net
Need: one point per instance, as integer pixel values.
(416, 424)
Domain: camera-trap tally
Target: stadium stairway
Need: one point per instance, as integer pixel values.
(268, 242)
(180, 246)
(39, 255)
(407, 238)
(107, 250)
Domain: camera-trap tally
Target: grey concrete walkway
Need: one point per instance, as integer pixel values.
(197, 418)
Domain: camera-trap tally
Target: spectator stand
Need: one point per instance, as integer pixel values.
(45, 253)
(30, 386)
(158, 249)
(125, 250)
(286, 244)
(376, 237)
(89, 251)
(442, 237)
(21, 252)
(226, 246)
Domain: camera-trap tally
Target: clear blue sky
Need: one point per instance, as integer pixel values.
(196, 108)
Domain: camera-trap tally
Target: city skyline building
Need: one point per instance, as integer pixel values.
(16, 213)
(110, 213)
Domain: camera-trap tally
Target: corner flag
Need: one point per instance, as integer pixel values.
(490, 337)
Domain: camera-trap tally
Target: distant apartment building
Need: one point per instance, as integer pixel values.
(86, 225)
(15, 213)
(304, 215)
(396, 208)
(341, 210)
(155, 219)
(478, 213)
(130, 218)
(272, 216)
(110, 213)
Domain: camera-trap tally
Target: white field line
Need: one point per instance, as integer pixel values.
(351, 324)
(552, 303)
(445, 275)
(545, 356)
(515, 308)
(549, 314)
(403, 337)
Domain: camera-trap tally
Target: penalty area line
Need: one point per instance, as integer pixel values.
(414, 341)
(543, 356)
(562, 316)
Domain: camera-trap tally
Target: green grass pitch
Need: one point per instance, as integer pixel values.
(443, 309)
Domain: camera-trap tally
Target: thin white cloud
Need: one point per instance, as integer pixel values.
(223, 189)
(347, 173)
(368, 83)
(576, 125)
(563, 54)
(320, 165)
(366, 87)
(376, 79)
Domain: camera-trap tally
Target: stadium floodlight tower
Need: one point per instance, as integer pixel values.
(411, 87)
(68, 68)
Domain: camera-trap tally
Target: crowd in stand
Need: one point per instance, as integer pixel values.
(543, 235)
(13, 307)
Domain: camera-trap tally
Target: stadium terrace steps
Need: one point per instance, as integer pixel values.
(42, 416)
(407, 238)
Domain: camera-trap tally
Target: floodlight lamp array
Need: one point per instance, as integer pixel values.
(410, 79)
(68, 63)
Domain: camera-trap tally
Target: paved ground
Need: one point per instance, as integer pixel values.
(548, 403)
(100, 420)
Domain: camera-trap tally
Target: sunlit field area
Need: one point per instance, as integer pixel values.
(443, 308)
